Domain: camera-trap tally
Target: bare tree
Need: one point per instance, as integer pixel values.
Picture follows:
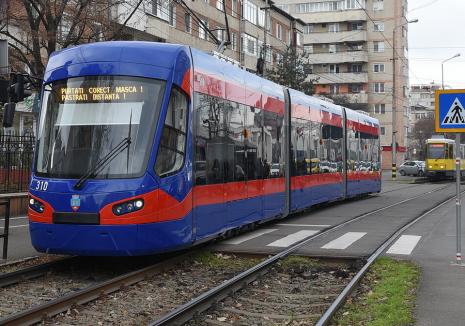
(423, 130)
(37, 28)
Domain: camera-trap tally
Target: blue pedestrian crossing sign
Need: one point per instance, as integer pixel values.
(450, 110)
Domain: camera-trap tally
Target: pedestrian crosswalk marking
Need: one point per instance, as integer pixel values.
(292, 238)
(404, 245)
(344, 241)
(248, 236)
(455, 115)
(306, 225)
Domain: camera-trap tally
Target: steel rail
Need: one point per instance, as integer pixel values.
(37, 313)
(34, 271)
(329, 313)
(201, 303)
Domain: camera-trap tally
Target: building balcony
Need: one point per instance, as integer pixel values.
(338, 57)
(341, 78)
(346, 36)
(333, 16)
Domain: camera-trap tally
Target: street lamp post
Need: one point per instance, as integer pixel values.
(394, 115)
(458, 218)
(442, 67)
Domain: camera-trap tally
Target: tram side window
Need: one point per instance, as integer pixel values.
(315, 147)
(235, 160)
(209, 156)
(253, 139)
(300, 147)
(352, 144)
(336, 148)
(451, 151)
(171, 151)
(325, 152)
(273, 158)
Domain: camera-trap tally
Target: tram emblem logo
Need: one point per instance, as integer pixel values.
(455, 115)
(75, 202)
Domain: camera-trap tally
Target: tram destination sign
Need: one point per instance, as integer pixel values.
(114, 93)
(450, 110)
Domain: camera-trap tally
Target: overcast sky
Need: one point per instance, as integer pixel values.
(439, 34)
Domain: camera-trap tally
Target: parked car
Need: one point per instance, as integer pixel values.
(416, 168)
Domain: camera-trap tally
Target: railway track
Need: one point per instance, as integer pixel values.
(221, 286)
(239, 288)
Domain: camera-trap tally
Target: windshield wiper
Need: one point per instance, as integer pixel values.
(103, 162)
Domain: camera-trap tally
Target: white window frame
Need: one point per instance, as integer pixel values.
(378, 46)
(332, 48)
(379, 108)
(279, 31)
(334, 28)
(378, 27)
(219, 5)
(203, 32)
(234, 8)
(378, 68)
(187, 23)
(378, 87)
(378, 5)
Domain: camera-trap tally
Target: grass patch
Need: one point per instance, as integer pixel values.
(385, 297)
(298, 262)
(215, 260)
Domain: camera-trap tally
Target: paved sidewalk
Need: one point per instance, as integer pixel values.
(441, 295)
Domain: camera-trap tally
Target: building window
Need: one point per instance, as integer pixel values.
(334, 89)
(383, 131)
(202, 31)
(378, 5)
(321, 6)
(308, 49)
(378, 46)
(332, 48)
(378, 87)
(279, 31)
(279, 57)
(161, 9)
(249, 11)
(356, 67)
(219, 5)
(233, 41)
(172, 14)
(356, 26)
(308, 29)
(333, 28)
(379, 108)
(334, 69)
(298, 39)
(354, 4)
(249, 44)
(378, 67)
(378, 27)
(261, 17)
(234, 8)
(187, 23)
(355, 88)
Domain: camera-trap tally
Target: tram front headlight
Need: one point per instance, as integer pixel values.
(36, 205)
(442, 166)
(128, 207)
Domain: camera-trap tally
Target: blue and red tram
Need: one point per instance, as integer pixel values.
(148, 147)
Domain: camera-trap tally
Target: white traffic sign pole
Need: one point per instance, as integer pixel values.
(458, 256)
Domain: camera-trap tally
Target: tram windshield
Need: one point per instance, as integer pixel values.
(436, 151)
(85, 118)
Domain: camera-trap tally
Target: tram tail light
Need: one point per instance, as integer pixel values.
(36, 205)
(128, 207)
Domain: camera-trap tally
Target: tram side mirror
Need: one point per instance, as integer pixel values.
(8, 115)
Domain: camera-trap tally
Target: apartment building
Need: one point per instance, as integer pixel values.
(422, 102)
(350, 45)
(257, 28)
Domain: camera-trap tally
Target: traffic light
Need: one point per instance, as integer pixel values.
(4, 90)
(8, 114)
(16, 88)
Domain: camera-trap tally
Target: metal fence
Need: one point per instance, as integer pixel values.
(16, 154)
